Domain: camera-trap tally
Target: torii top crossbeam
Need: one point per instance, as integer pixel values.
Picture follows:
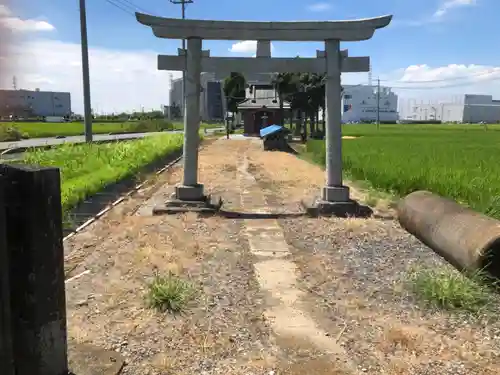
(174, 28)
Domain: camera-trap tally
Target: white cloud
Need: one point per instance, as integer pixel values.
(448, 5)
(124, 80)
(120, 80)
(4, 11)
(246, 46)
(319, 7)
(424, 82)
(453, 72)
(438, 16)
(10, 21)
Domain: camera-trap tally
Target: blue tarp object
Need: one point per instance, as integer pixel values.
(271, 129)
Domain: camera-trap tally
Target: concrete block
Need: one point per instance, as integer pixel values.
(350, 208)
(91, 360)
(190, 193)
(335, 194)
(321, 53)
(206, 205)
(182, 52)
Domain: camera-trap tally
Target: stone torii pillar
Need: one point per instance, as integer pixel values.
(334, 190)
(332, 61)
(191, 190)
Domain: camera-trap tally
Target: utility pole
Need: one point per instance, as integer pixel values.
(378, 103)
(86, 74)
(183, 4)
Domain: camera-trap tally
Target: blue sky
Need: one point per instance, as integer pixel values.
(428, 39)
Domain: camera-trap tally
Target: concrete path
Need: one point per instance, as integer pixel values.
(278, 275)
(39, 142)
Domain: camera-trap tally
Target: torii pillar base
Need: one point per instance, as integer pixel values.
(189, 199)
(335, 201)
(190, 193)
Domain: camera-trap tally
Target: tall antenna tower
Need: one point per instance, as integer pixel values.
(170, 101)
(183, 4)
(171, 83)
(14, 83)
(370, 76)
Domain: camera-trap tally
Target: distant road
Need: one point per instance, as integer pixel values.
(39, 142)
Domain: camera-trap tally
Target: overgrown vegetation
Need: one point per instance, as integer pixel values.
(15, 131)
(449, 289)
(11, 134)
(169, 293)
(88, 168)
(145, 126)
(455, 161)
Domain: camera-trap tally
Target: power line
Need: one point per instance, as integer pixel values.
(125, 6)
(123, 9)
(134, 6)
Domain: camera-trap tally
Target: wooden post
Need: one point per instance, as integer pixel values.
(6, 354)
(36, 257)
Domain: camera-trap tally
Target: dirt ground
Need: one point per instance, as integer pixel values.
(292, 295)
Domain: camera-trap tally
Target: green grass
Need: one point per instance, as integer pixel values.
(449, 289)
(88, 168)
(46, 130)
(456, 161)
(169, 293)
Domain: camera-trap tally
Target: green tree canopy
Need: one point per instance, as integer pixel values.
(234, 88)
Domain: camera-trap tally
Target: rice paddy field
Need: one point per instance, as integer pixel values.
(88, 168)
(461, 162)
(47, 130)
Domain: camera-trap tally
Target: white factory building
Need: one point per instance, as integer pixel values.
(34, 103)
(359, 104)
(472, 109)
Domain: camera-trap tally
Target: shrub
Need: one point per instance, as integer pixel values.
(10, 133)
(145, 126)
(169, 293)
(450, 289)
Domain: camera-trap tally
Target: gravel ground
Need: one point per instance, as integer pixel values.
(355, 272)
(222, 332)
(351, 273)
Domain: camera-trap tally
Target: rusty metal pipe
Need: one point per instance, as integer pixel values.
(468, 240)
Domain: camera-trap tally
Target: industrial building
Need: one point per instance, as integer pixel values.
(360, 104)
(211, 106)
(210, 98)
(472, 109)
(27, 103)
(359, 101)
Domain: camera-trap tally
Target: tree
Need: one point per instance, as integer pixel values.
(316, 99)
(285, 84)
(234, 91)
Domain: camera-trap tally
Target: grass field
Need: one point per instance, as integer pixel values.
(456, 161)
(86, 169)
(46, 130)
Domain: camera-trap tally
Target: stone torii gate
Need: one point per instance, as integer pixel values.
(331, 61)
